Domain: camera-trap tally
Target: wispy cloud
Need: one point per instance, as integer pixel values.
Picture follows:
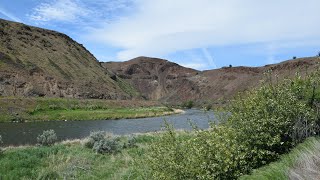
(94, 12)
(161, 27)
(58, 10)
(9, 15)
(194, 65)
(209, 57)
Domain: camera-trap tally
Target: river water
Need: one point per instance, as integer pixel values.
(26, 133)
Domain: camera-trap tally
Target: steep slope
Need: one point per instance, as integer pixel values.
(155, 78)
(159, 79)
(39, 62)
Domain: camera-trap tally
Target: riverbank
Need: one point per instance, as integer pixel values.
(72, 159)
(15, 109)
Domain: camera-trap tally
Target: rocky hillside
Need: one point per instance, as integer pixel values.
(156, 78)
(159, 79)
(39, 62)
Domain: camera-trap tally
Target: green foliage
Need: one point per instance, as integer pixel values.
(130, 143)
(47, 138)
(72, 161)
(1, 142)
(19, 109)
(306, 153)
(107, 145)
(94, 137)
(207, 107)
(101, 143)
(188, 104)
(51, 174)
(259, 126)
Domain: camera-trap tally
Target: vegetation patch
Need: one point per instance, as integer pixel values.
(47, 138)
(301, 163)
(41, 109)
(254, 130)
(72, 160)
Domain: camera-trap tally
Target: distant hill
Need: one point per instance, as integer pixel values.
(155, 78)
(159, 79)
(40, 62)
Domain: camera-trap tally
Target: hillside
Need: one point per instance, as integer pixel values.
(155, 78)
(39, 62)
(159, 79)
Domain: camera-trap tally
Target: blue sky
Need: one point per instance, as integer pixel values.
(201, 34)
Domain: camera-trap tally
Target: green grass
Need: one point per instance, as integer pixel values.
(42, 109)
(98, 114)
(288, 162)
(71, 160)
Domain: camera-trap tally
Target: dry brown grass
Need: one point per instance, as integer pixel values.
(307, 167)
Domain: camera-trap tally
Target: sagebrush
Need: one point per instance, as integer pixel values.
(47, 138)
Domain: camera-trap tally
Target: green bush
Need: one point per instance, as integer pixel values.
(47, 138)
(131, 143)
(171, 157)
(188, 104)
(107, 146)
(259, 126)
(94, 137)
(207, 107)
(101, 143)
(1, 142)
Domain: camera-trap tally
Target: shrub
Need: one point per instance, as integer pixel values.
(170, 157)
(101, 143)
(207, 107)
(259, 127)
(131, 143)
(54, 107)
(188, 104)
(1, 142)
(47, 138)
(107, 146)
(94, 137)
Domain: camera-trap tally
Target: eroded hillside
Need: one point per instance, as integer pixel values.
(159, 79)
(39, 62)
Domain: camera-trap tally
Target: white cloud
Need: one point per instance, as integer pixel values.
(59, 10)
(160, 27)
(81, 12)
(194, 65)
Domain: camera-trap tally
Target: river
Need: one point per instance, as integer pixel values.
(26, 133)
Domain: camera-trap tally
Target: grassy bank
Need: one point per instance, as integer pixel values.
(301, 163)
(71, 160)
(42, 109)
